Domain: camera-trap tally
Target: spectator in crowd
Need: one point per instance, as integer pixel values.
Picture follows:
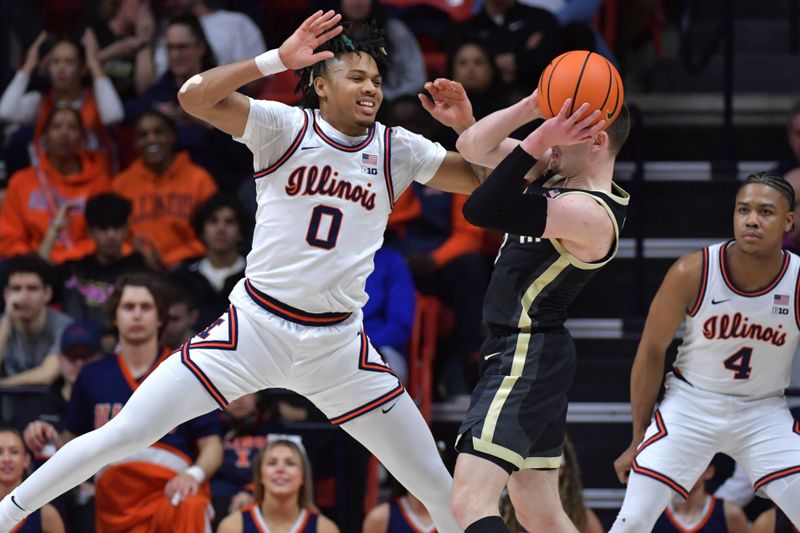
(87, 282)
(80, 345)
(405, 75)
(30, 332)
(793, 138)
(245, 427)
(67, 62)
(44, 203)
(570, 490)
(15, 460)
(442, 251)
(232, 35)
(158, 489)
(389, 312)
(125, 32)
(403, 513)
(791, 240)
(219, 223)
(181, 317)
(189, 53)
(283, 493)
(522, 40)
(702, 512)
(164, 187)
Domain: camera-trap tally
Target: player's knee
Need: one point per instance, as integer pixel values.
(467, 505)
(535, 518)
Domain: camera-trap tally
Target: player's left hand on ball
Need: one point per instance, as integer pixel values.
(450, 104)
(623, 463)
(179, 487)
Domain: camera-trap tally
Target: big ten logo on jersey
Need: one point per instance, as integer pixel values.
(369, 164)
(311, 181)
(780, 304)
(103, 412)
(246, 447)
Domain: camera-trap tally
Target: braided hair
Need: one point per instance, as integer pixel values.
(366, 38)
(778, 183)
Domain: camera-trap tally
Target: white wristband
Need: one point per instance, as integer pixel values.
(196, 472)
(270, 62)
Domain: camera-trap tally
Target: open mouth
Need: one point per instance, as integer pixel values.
(367, 106)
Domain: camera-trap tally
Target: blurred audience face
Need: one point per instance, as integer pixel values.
(64, 133)
(177, 329)
(184, 51)
(65, 67)
(793, 177)
(14, 459)
(472, 68)
(794, 135)
(108, 241)
(154, 141)
(243, 407)
(136, 316)
(356, 10)
(26, 296)
(282, 472)
(221, 232)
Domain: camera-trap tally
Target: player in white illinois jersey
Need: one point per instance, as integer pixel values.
(740, 304)
(326, 180)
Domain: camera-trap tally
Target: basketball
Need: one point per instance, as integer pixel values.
(586, 77)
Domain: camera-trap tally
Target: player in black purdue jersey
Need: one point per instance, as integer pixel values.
(562, 224)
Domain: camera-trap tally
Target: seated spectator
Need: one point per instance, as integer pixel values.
(80, 345)
(164, 187)
(30, 332)
(791, 241)
(570, 491)
(15, 465)
(442, 251)
(67, 63)
(88, 281)
(245, 427)
(125, 32)
(159, 489)
(181, 317)
(793, 140)
(405, 75)
(702, 512)
(403, 513)
(283, 493)
(219, 223)
(43, 207)
(232, 35)
(189, 53)
(389, 312)
(773, 521)
(522, 40)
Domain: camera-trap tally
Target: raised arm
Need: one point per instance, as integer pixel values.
(211, 95)
(676, 294)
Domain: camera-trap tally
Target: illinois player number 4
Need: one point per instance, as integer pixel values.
(739, 363)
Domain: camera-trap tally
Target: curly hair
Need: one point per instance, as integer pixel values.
(355, 38)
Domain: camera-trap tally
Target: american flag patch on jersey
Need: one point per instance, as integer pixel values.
(781, 299)
(553, 193)
(369, 159)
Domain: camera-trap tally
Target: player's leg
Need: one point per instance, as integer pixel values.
(477, 485)
(537, 503)
(170, 396)
(786, 495)
(645, 500)
(401, 440)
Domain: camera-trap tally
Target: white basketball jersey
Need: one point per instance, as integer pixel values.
(323, 206)
(738, 342)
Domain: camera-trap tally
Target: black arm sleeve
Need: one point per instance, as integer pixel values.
(500, 203)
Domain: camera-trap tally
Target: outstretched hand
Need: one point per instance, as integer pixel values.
(297, 51)
(450, 104)
(564, 128)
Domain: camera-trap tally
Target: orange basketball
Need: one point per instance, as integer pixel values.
(584, 77)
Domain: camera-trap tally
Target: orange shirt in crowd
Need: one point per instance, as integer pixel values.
(32, 199)
(163, 205)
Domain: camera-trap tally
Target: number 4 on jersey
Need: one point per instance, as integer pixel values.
(739, 363)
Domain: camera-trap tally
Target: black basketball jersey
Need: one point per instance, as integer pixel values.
(535, 280)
